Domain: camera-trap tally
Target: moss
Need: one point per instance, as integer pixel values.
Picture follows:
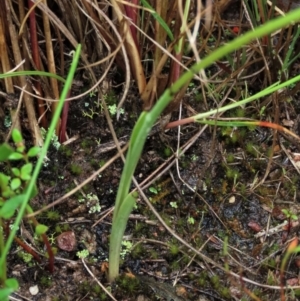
(128, 284)
(175, 266)
(52, 215)
(230, 158)
(102, 162)
(167, 152)
(87, 188)
(225, 292)
(252, 149)
(65, 227)
(215, 281)
(45, 281)
(58, 229)
(242, 188)
(174, 249)
(181, 223)
(94, 163)
(65, 150)
(86, 143)
(75, 169)
(96, 288)
(232, 174)
(138, 251)
(166, 219)
(199, 241)
(111, 98)
(272, 263)
(239, 112)
(208, 180)
(153, 254)
(138, 227)
(202, 280)
(103, 296)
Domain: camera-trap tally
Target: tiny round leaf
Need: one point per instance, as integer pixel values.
(16, 136)
(16, 171)
(41, 229)
(26, 171)
(15, 183)
(15, 156)
(33, 151)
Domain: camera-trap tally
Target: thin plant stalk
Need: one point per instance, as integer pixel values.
(273, 88)
(125, 201)
(41, 158)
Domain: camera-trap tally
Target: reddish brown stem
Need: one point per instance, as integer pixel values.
(48, 247)
(179, 122)
(28, 249)
(64, 119)
(22, 244)
(36, 59)
(50, 253)
(131, 13)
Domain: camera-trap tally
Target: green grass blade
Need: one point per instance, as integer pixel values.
(27, 73)
(118, 229)
(273, 88)
(43, 153)
(287, 60)
(159, 19)
(147, 119)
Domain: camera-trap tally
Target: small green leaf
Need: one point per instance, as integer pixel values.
(159, 19)
(16, 136)
(9, 207)
(12, 283)
(33, 151)
(8, 193)
(16, 171)
(5, 292)
(15, 183)
(5, 151)
(153, 190)
(41, 229)
(21, 148)
(26, 171)
(15, 156)
(4, 179)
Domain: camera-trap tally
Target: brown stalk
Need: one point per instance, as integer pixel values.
(36, 59)
(132, 51)
(51, 61)
(158, 81)
(5, 63)
(28, 101)
(47, 245)
(28, 249)
(104, 31)
(132, 13)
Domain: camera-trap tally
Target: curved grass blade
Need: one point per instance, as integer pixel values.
(147, 119)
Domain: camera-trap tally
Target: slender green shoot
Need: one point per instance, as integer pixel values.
(125, 201)
(11, 284)
(159, 19)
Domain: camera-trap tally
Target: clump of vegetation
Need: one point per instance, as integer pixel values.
(128, 283)
(66, 151)
(52, 215)
(75, 169)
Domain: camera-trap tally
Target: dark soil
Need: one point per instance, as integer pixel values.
(221, 196)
